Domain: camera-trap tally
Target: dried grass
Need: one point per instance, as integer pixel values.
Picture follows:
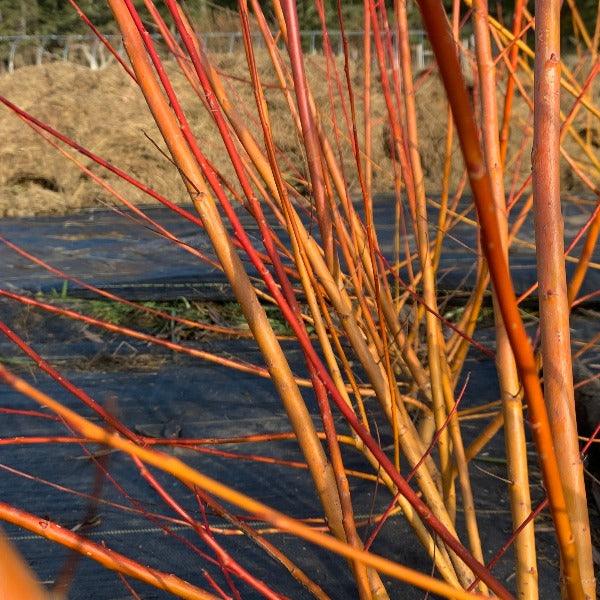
(104, 111)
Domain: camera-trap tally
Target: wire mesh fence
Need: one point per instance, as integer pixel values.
(22, 50)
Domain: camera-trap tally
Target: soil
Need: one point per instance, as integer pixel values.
(105, 111)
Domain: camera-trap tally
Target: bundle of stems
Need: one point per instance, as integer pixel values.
(382, 354)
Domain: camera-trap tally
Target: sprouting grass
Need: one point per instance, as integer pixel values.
(226, 314)
(376, 318)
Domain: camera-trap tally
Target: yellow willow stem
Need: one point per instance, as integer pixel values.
(459, 346)
(409, 438)
(463, 470)
(444, 48)
(447, 169)
(572, 89)
(446, 172)
(553, 300)
(432, 324)
(567, 120)
(258, 322)
(184, 473)
(514, 426)
(578, 22)
(594, 58)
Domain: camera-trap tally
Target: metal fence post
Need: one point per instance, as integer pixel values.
(420, 56)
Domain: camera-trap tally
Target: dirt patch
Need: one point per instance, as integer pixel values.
(105, 111)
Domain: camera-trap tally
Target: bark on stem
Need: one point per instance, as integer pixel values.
(553, 300)
(443, 45)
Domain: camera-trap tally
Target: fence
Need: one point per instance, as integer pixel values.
(20, 50)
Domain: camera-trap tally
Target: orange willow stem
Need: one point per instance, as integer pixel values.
(172, 131)
(16, 578)
(514, 426)
(553, 300)
(183, 472)
(510, 83)
(106, 557)
(444, 48)
(584, 259)
(367, 96)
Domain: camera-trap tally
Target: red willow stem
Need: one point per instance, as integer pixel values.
(513, 42)
(242, 526)
(432, 444)
(129, 587)
(482, 348)
(377, 265)
(215, 586)
(103, 163)
(105, 473)
(347, 411)
(209, 533)
(102, 38)
(182, 212)
(444, 49)
(115, 298)
(367, 95)
(156, 517)
(27, 413)
(224, 560)
(236, 364)
(534, 513)
(70, 387)
(309, 133)
(331, 66)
